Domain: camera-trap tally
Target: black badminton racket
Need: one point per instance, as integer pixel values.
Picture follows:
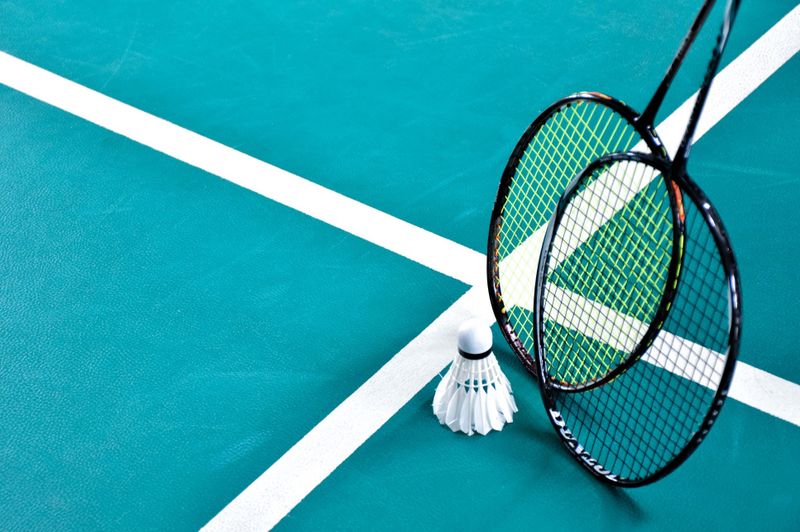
(559, 143)
(656, 386)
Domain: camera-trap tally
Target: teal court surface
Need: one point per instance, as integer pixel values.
(237, 238)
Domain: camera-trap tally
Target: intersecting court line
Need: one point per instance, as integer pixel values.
(270, 497)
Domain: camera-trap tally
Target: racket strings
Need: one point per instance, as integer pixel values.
(588, 142)
(630, 233)
(552, 157)
(606, 271)
(565, 143)
(615, 448)
(639, 422)
(611, 437)
(704, 324)
(584, 142)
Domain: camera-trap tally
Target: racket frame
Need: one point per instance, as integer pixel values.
(647, 134)
(713, 222)
(670, 283)
(676, 171)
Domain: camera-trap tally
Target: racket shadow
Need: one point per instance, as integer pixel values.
(622, 499)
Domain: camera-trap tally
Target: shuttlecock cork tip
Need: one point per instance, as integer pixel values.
(474, 339)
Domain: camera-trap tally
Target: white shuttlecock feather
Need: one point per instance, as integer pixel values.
(474, 395)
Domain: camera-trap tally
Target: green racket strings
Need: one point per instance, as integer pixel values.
(571, 137)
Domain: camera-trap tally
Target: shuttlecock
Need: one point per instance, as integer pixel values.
(474, 395)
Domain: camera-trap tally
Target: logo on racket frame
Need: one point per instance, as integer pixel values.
(577, 449)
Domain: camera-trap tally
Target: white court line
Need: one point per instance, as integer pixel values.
(273, 494)
(431, 250)
(304, 467)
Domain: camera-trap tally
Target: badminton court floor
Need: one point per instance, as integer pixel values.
(236, 239)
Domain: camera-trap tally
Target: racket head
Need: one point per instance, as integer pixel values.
(641, 425)
(557, 145)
